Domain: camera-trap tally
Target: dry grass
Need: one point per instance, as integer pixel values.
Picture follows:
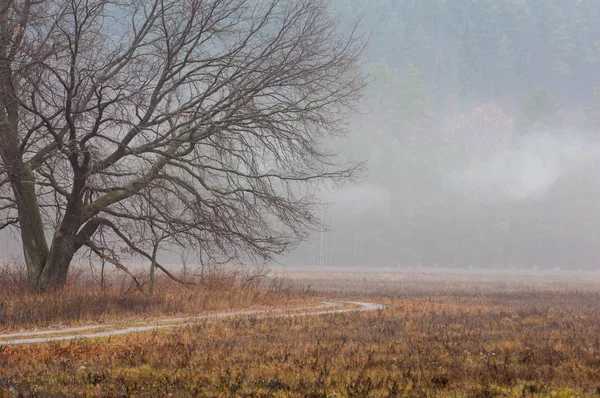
(486, 340)
(85, 301)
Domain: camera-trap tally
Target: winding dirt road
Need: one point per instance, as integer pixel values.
(108, 330)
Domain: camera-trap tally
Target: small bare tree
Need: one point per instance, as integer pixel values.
(221, 106)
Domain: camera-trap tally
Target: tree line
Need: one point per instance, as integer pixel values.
(486, 50)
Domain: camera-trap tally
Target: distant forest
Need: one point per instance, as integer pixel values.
(481, 50)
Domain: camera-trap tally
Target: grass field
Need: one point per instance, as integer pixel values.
(446, 334)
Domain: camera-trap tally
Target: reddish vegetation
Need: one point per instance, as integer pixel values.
(485, 130)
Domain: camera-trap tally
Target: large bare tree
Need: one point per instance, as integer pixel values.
(203, 120)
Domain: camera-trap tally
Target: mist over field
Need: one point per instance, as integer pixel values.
(480, 131)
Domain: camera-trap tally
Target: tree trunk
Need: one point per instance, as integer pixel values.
(46, 268)
(56, 268)
(35, 246)
(64, 242)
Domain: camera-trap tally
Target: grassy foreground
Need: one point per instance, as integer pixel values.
(485, 342)
(84, 301)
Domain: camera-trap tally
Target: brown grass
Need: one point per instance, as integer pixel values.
(486, 340)
(85, 301)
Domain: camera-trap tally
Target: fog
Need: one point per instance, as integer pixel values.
(528, 170)
(533, 204)
(480, 130)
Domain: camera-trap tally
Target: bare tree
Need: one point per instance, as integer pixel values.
(221, 106)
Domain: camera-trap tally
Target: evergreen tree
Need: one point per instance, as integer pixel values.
(470, 62)
(505, 71)
(539, 112)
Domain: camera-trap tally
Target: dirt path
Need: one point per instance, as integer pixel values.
(108, 330)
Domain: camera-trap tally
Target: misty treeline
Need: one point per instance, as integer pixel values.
(480, 127)
(478, 50)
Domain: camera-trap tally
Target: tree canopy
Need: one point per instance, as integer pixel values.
(201, 121)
